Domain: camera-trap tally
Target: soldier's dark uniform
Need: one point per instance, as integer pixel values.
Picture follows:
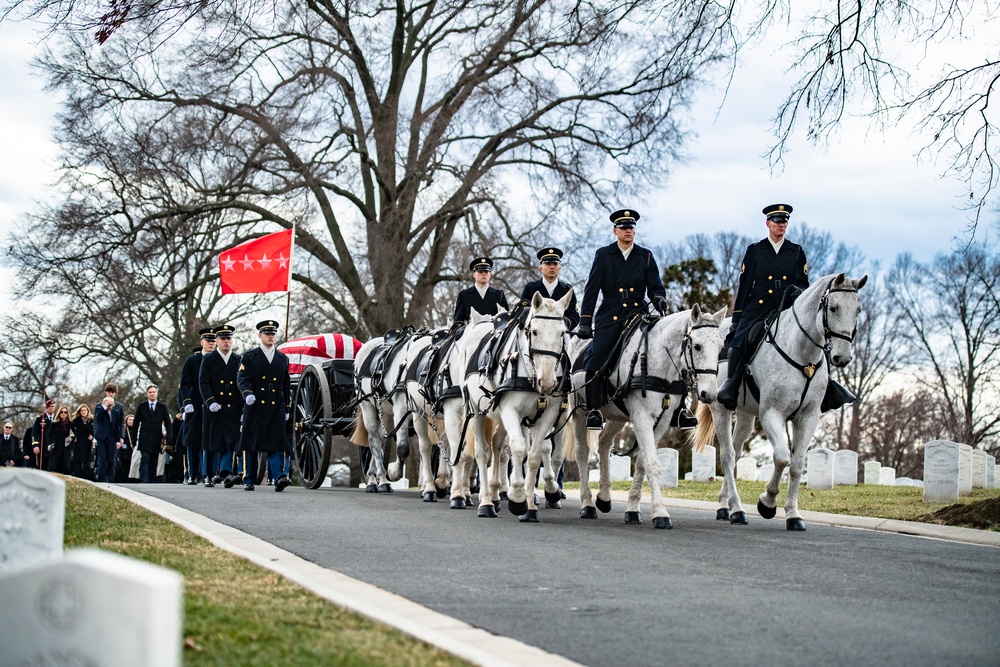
(624, 285)
(469, 298)
(572, 315)
(220, 432)
(189, 394)
(264, 419)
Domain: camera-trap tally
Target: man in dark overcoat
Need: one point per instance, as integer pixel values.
(109, 433)
(220, 435)
(484, 299)
(189, 398)
(624, 274)
(550, 286)
(265, 386)
(10, 448)
(155, 429)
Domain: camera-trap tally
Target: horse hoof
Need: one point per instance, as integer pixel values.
(603, 505)
(553, 505)
(795, 524)
(552, 497)
(739, 519)
(468, 501)
(503, 495)
(474, 488)
(633, 517)
(442, 493)
(662, 522)
(517, 509)
(458, 503)
(722, 514)
(384, 488)
(429, 497)
(486, 512)
(496, 505)
(371, 488)
(588, 512)
(765, 511)
(531, 516)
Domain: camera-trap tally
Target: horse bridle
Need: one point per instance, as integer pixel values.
(692, 372)
(828, 333)
(532, 351)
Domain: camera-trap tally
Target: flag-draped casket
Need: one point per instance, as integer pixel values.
(314, 350)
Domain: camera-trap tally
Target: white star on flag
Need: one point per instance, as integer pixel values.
(228, 262)
(265, 262)
(247, 263)
(282, 261)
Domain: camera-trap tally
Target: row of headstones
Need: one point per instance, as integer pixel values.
(953, 469)
(78, 607)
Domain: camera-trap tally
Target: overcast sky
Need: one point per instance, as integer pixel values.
(867, 189)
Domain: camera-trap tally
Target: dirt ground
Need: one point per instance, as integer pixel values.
(983, 514)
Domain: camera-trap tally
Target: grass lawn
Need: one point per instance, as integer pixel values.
(234, 611)
(887, 502)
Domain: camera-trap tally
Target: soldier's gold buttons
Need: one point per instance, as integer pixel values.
(615, 318)
(621, 289)
(635, 304)
(770, 291)
(631, 289)
(770, 277)
(784, 277)
(761, 301)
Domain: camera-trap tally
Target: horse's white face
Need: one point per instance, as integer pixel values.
(701, 353)
(840, 312)
(545, 330)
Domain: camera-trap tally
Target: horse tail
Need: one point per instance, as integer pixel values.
(360, 434)
(569, 440)
(704, 433)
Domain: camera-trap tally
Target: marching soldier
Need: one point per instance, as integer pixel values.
(189, 397)
(549, 285)
(220, 429)
(485, 299)
(264, 383)
(769, 266)
(624, 274)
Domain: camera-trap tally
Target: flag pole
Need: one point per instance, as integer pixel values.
(288, 297)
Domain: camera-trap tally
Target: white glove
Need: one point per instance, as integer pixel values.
(287, 415)
(214, 407)
(250, 399)
(188, 408)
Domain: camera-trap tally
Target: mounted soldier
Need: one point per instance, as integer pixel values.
(550, 286)
(484, 299)
(770, 266)
(624, 274)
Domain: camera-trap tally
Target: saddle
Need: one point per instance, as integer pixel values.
(375, 365)
(633, 321)
(486, 358)
(430, 371)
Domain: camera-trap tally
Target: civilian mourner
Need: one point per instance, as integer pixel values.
(109, 433)
(189, 398)
(484, 299)
(220, 428)
(155, 430)
(625, 275)
(264, 383)
(550, 286)
(769, 267)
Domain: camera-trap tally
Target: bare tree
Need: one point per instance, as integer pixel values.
(950, 317)
(898, 425)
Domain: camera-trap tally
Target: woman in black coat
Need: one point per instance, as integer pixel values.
(59, 445)
(125, 453)
(83, 446)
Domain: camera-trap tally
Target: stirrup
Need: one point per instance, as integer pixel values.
(595, 421)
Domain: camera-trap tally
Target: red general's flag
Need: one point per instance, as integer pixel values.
(261, 265)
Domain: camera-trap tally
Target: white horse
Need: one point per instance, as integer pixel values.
(383, 413)
(791, 370)
(680, 353)
(520, 391)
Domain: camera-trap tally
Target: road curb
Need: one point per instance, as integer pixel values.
(985, 538)
(448, 634)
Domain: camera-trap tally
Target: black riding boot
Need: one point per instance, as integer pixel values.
(730, 389)
(595, 421)
(836, 396)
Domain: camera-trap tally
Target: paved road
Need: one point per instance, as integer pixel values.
(605, 593)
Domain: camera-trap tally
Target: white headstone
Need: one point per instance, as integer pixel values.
(904, 481)
(746, 469)
(820, 466)
(594, 476)
(765, 472)
(872, 471)
(978, 469)
(32, 516)
(668, 467)
(991, 472)
(621, 468)
(91, 607)
(887, 476)
(688, 476)
(703, 464)
(964, 469)
(941, 471)
(845, 467)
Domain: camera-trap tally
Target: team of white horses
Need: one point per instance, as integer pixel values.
(500, 395)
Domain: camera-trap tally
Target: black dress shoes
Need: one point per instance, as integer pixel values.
(282, 482)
